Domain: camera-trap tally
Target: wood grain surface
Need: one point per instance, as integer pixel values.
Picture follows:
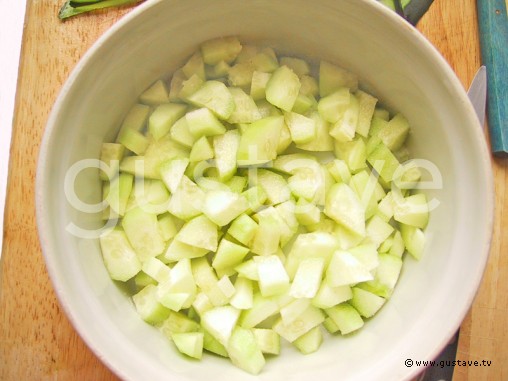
(37, 341)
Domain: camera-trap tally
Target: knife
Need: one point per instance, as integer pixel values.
(477, 93)
(493, 25)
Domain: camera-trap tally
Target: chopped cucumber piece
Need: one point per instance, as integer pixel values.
(189, 343)
(225, 149)
(202, 122)
(345, 317)
(163, 117)
(282, 88)
(195, 65)
(216, 97)
(119, 257)
(246, 110)
(111, 155)
(258, 142)
(243, 229)
(345, 208)
(155, 94)
(332, 77)
(302, 128)
(220, 322)
(201, 150)
(365, 302)
(148, 307)
(273, 279)
(135, 119)
(244, 352)
(220, 49)
(307, 278)
(222, 207)
(309, 342)
(228, 254)
(199, 232)
(345, 269)
(142, 230)
(310, 318)
(267, 340)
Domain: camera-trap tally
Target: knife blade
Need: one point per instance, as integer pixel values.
(477, 93)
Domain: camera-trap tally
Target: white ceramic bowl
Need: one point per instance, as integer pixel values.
(393, 60)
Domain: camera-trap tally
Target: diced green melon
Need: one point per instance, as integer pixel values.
(222, 207)
(178, 250)
(248, 270)
(134, 141)
(412, 210)
(220, 322)
(255, 197)
(199, 232)
(243, 297)
(345, 269)
(119, 257)
(189, 343)
(387, 274)
(211, 344)
(240, 75)
(151, 195)
(345, 317)
(187, 201)
(244, 351)
(385, 207)
(155, 95)
(237, 183)
(143, 233)
(148, 307)
(332, 78)
(243, 229)
(394, 134)
(135, 119)
(354, 153)
(381, 113)
(225, 149)
(228, 254)
(282, 88)
(367, 254)
(330, 325)
(163, 117)
(258, 85)
(414, 240)
(307, 213)
(310, 318)
(302, 128)
(299, 66)
(309, 86)
(309, 342)
(307, 183)
(246, 110)
(366, 112)
(202, 122)
(259, 141)
(156, 269)
(397, 248)
(219, 70)
(268, 341)
(220, 49)
(111, 155)
(323, 141)
(178, 291)
(178, 322)
(339, 170)
(273, 279)
(378, 230)
(226, 287)
(307, 278)
(365, 302)
(332, 107)
(310, 245)
(262, 309)
(180, 133)
(142, 280)
(216, 97)
(345, 208)
(195, 65)
(273, 184)
(344, 129)
(207, 281)
(304, 104)
(201, 150)
(120, 189)
(328, 296)
(383, 161)
(267, 237)
(291, 311)
(187, 87)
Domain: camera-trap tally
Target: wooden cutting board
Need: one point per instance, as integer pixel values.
(36, 340)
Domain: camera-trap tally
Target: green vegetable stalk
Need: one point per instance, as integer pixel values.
(76, 7)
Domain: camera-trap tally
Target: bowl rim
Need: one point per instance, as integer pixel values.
(48, 246)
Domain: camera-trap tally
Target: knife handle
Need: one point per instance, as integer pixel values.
(493, 25)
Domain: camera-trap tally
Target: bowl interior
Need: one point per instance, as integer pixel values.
(392, 60)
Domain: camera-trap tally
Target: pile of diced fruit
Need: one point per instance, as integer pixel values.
(259, 199)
